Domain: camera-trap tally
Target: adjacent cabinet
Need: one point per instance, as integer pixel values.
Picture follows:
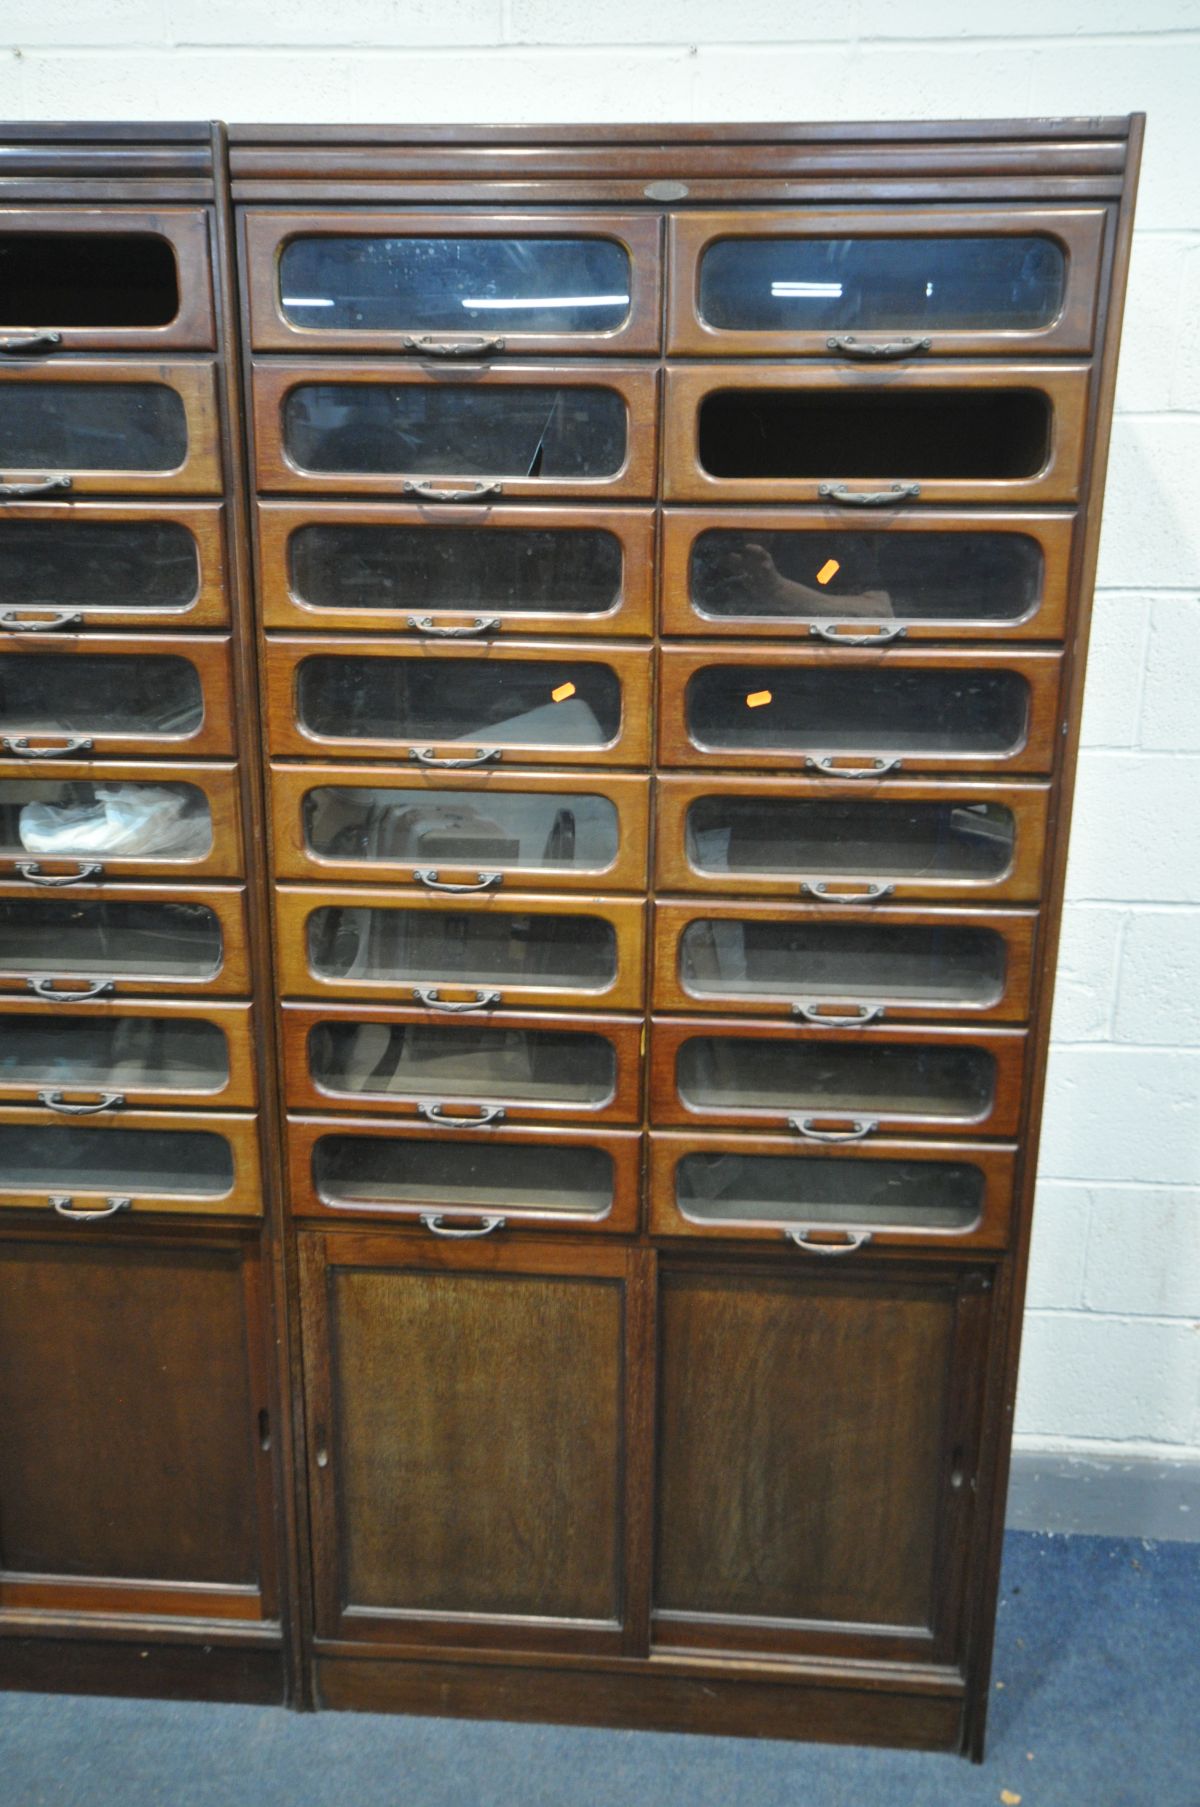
(540, 675)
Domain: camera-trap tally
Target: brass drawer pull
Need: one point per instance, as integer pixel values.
(427, 876)
(482, 624)
(60, 1203)
(881, 351)
(28, 492)
(429, 492)
(107, 1101)
(869, 498)
(488, 1114)
(21, 749)
(433, 1220)
(818, 888)
(852, 1016)
(854, 1239)
(25, 345)
(431, 997)
(452, 348)
(89, 871)
(427, 756)
(17, 623)
(859, 1128)
(884, 633)
(826, 763)
(44, 988)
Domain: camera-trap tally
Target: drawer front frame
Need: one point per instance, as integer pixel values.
(196, 386)
(239, 1093)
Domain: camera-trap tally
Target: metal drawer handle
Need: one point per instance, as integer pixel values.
(488, 1113)
(427, 756)
(21, 749)
(44, 988)
(88, 872)
(431, 997)
(452, 348)
(869, 498)
(60, 1202)
(429, 492)
(827, 764)
(19, 623)
(433, 1220)
(482, 624)
(22, 345)
(853, 1016)
(427, 876)
(880, 351)
(883, 633)
(872, 890)
(854, 1239)
(26, 492)
(107, 1101)
(859, 1128)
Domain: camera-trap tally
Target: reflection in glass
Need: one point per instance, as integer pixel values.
(462, 1062)
(868, 709)
(450, 430)
(841, 1190)
(723, 1073)
(463, 1175)
(113, 1053)
(92, 427)
(486, 570)
(904, 964)
(65, 938)
(537, 830)
(488, 285)
(783, 836)
(150, 565)
(36, 1158)
(138, 696)
(457, 947)
(486, 702)
(804, 574)
(994, 283)
(77, 819)
(87, 279)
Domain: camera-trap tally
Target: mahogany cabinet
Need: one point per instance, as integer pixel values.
(529, 899)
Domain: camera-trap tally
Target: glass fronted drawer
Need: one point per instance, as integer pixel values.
(64, 824)
(854, 439)
(71, 565)
(472, 831)
(882, 285)
(467, 1073)
(106, 1166)
(838, 967)
(830, 1203)
(936, 574)
(108, 1056)
(419, 948)
(114, 693)
(835, 1085)
(438, 435)
(531, 703)
(850, 841)
(467, 1184)
(76, 279)
(120, 940)
(453, 284)
(439, 575)
(860, 714)
(100, 425)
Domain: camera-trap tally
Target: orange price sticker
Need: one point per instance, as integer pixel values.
(829, 569)
(563, 692)
(757, 698)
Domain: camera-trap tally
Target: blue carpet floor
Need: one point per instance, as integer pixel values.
(1096, 1703)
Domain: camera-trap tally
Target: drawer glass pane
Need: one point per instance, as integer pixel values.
(455, 947)
(719, 1073)
(79, 820)
(40, 1159)
(989, 283)
(113, 1053)
(747, 574)
(92, 427)
(835, 1189)
(972, 842)
(915, 964)
(141, 695)
(61, 937)
(418, 1060)
(801, 709)
(480, 285)
(966, 434)
(87, 279)
(97, 565)
(540, 831)
(463, 1175)
(452, 431)
(488, 570)
(517, 702)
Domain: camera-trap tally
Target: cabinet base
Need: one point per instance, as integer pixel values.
(147, 1671)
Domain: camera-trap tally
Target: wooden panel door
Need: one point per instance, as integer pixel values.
(817, 1450)
(134, 1423)
(466, 1421)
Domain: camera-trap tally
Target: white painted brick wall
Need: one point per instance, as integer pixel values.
(1112, 1356)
